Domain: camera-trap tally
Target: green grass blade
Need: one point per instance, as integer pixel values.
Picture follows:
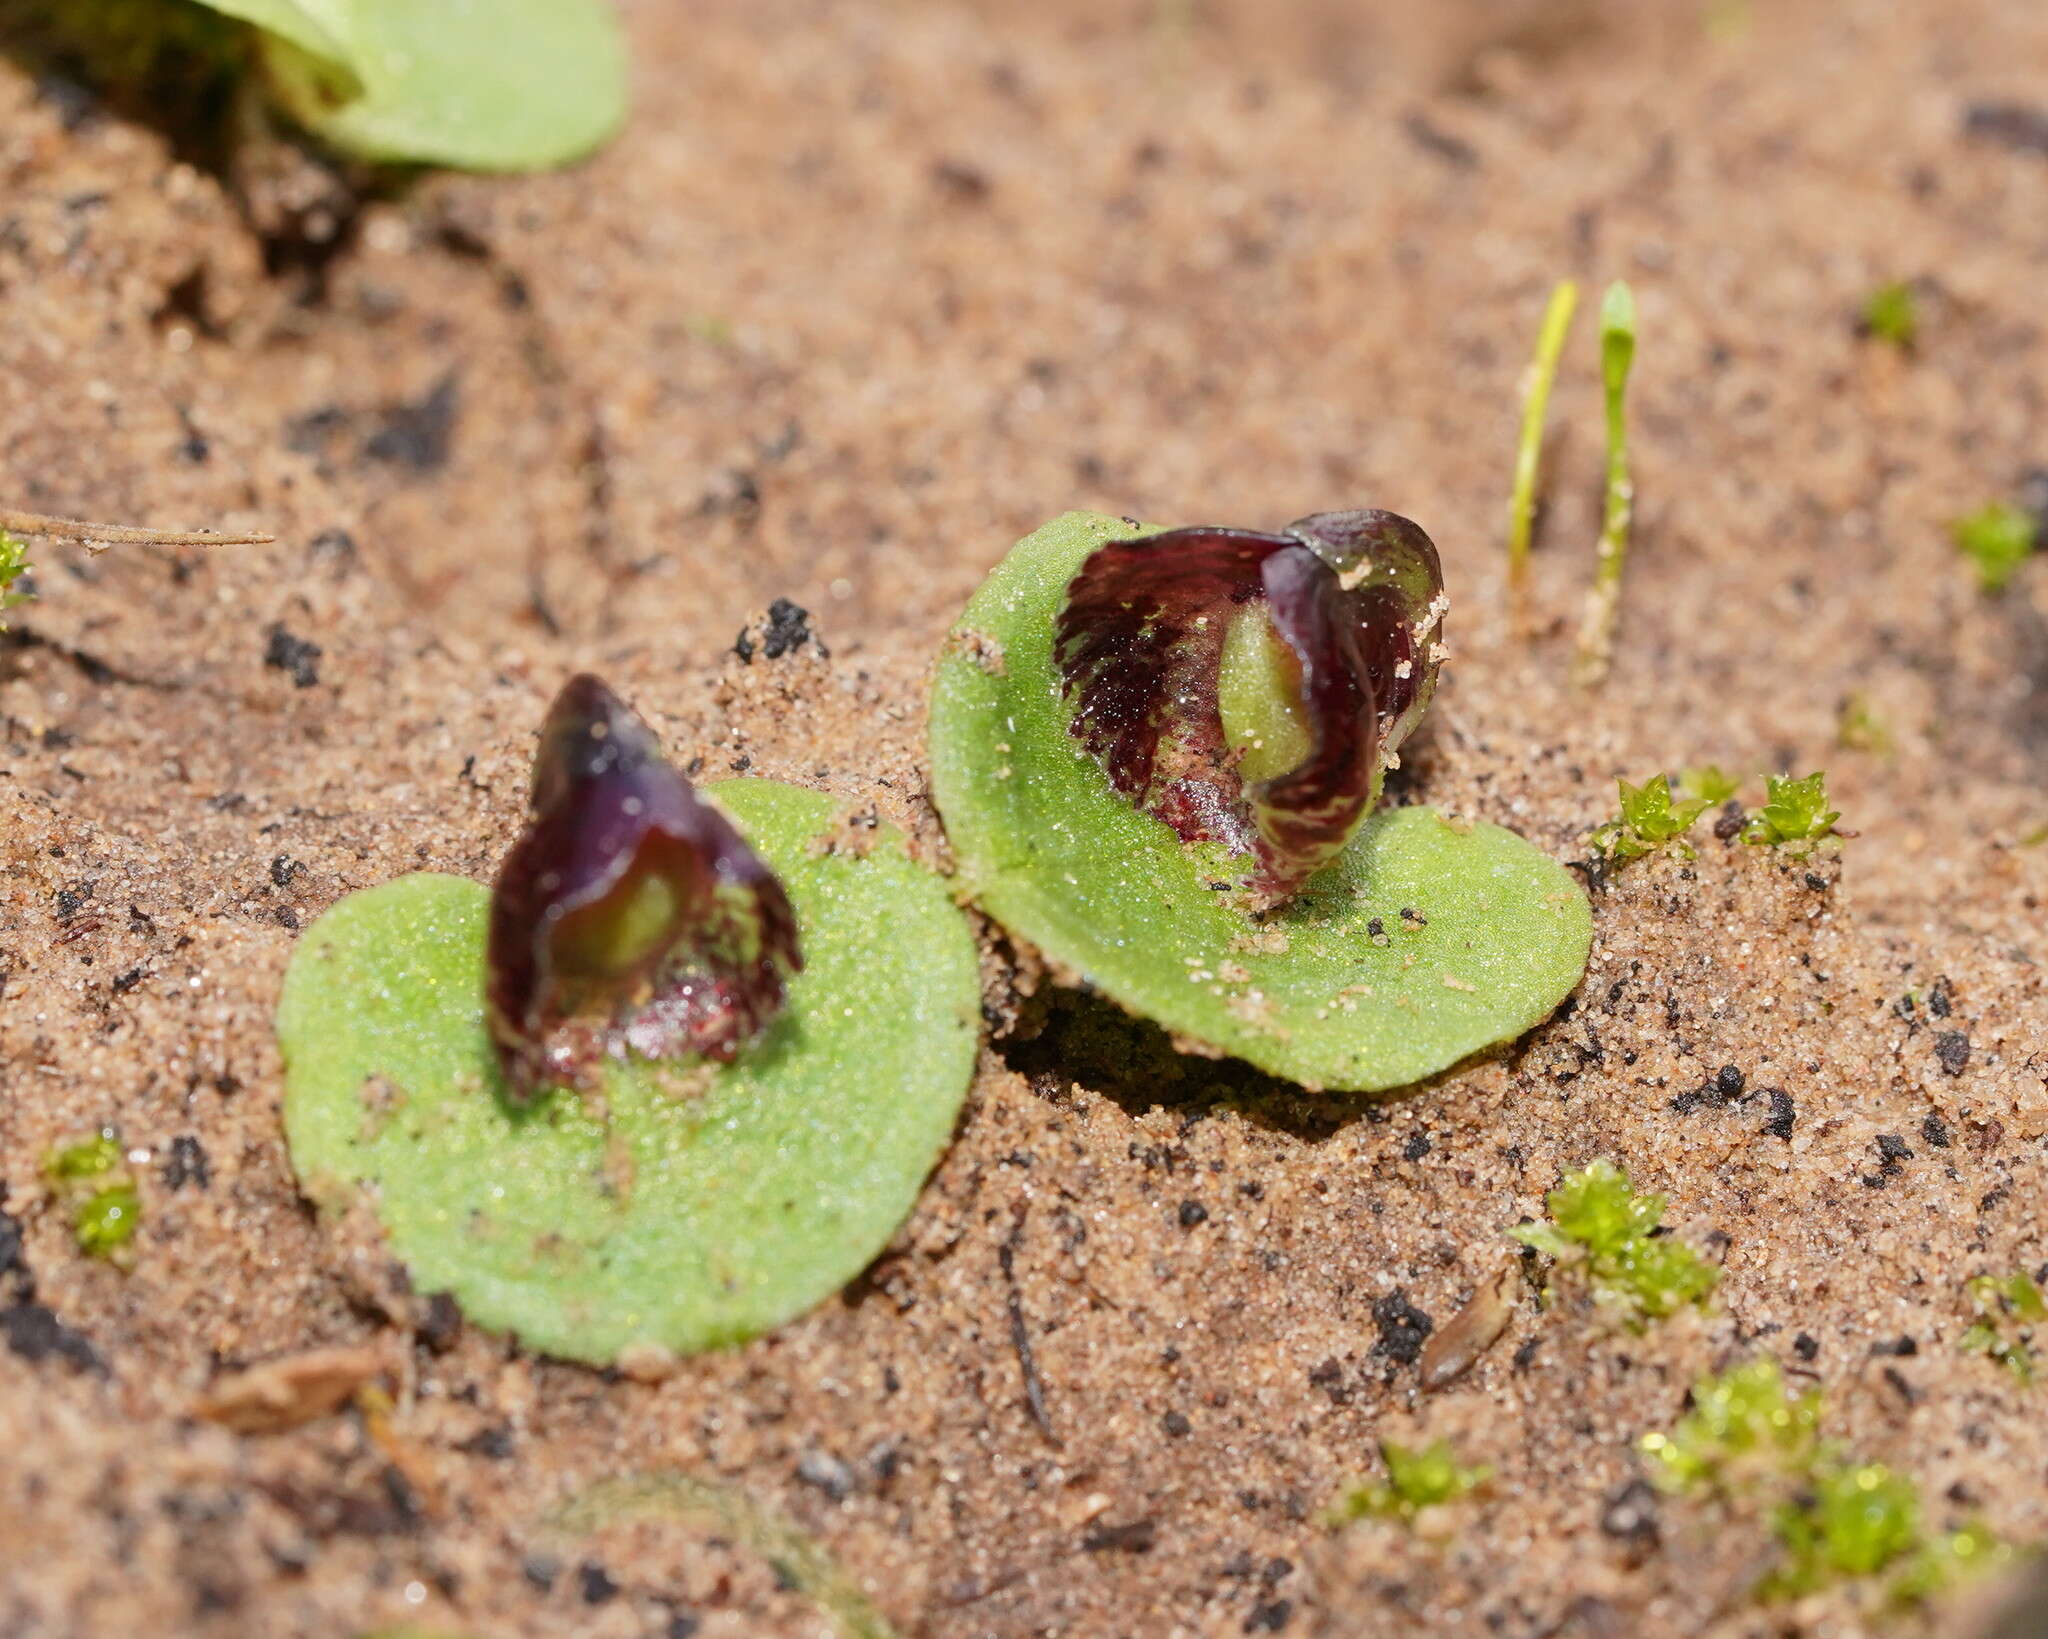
(1617, 354)
(1557, 323)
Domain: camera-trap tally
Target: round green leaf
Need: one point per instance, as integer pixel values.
(1339, 989)
(700, 1206)
(511, 85)
(298, 21)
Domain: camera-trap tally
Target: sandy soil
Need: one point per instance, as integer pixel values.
(866, 292)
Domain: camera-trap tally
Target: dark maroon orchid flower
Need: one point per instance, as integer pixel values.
(1253, 689)
(629, 914)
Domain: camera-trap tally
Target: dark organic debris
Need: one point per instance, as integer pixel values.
(420, 434)
(34, 1332)
(1433, 139)
(439, 1325)
(1020, 1335)
(1892, 1155)
(786, 629)
(1630, 1514)
(296, 656)
(187, 1164)
(1135, 1537)
(2017, 125)
(1403, 1328)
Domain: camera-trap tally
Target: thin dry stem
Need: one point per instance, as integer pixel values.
(98, 537)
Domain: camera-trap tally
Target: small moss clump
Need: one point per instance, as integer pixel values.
(1416, 1479)
(1742, 1423)
(1709, 783)
(88, 1158)
(1835, 1519)
(2008, 1309)
(1795, 815)
(1891, 313)
(1998, 539)
(105, 1205)
(1858, 727)
(106, 1220)
(13, 565)
(1599, 1223)
(1651, 818)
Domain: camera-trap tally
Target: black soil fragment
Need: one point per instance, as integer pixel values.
(417, 436)
(2016, 125)
(1630, 1514)
(440, 1322)
(1892, 1155)
(1403, 1328)
(787, 629)
(298, 657)
(1952, 1050)
(1136, 1537)
(186, 1163)
(34, 1332)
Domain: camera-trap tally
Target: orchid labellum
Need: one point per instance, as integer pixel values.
(630, 914)
(1252, 689)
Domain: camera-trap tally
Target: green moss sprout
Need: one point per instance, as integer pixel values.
(1557, 323)
(1742, 1424)
(1653, 817)
(1859, 727)
(1748, 1440)
(87, 1158)
(1710, 783)
(1997, 538)
(1603, 603)
(1601, 1224)
(801, 1564)
(1795, 815)
(106, 1220)
(1417, 1478)
(1891, 313)
(90, 1179)
(2008, 1309)
(13, 565)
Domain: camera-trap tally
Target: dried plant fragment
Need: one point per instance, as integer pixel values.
(97, 537)
(630, 915)
(1251, 689)
(282, 1394)
(1455, 1347)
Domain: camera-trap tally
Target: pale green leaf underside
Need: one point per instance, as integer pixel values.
(487, 85)
(1048, 848)
(299, 21)
(693, 1219)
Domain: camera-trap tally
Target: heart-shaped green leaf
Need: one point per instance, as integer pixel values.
(699, 1206)
(1427, 941)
